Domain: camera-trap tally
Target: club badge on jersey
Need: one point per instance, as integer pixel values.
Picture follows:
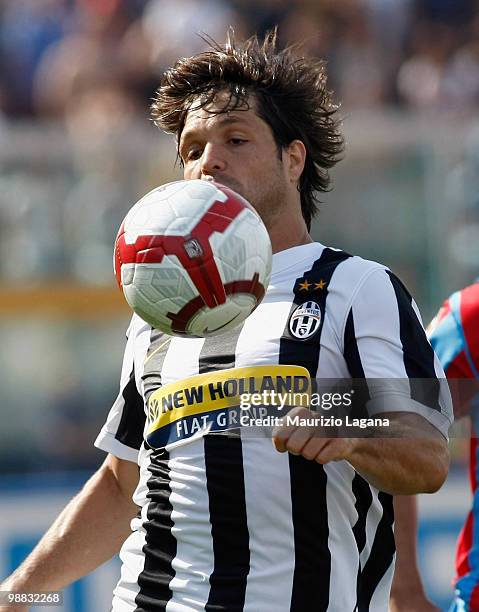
(305, 320)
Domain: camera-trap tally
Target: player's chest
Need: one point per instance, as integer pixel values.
(278, 332)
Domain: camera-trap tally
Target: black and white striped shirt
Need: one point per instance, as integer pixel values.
(228, 523)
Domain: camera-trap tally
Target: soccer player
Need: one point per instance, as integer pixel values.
(226, 522)
(454, 334)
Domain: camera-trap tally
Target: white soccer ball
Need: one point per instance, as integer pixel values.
(193, 258)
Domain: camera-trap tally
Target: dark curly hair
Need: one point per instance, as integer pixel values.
(290, 92)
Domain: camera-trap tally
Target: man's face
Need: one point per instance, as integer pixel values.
(235, 148)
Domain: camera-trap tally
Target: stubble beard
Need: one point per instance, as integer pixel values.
(269, 199)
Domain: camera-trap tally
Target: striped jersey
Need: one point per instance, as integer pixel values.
(455, 337)
(226, 523)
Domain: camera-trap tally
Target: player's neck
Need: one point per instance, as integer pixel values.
(288, 233)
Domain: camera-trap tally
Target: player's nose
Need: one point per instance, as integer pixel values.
(212, 160)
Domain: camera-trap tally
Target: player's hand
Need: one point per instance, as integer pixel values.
(310, 441)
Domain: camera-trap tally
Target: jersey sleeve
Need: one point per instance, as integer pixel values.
(454, 335)
(385, 345)
(122, 433)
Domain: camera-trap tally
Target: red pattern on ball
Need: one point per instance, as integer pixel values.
(202, 269)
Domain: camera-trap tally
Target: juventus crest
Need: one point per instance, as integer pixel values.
(305, 320)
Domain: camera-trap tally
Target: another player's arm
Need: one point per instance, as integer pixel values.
(88, 532)
(407, 592)
(400, 465)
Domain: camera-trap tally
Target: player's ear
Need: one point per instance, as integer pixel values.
(295, 159)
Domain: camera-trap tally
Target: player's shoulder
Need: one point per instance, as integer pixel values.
(365, 267)
(315, 259)
(464, 304)
(468, 295)
(355, 270)
(330, 254)
(459, 311)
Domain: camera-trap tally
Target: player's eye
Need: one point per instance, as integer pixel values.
(193, 154)
(237, 141)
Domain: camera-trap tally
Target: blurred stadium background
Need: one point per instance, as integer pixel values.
(77, 149)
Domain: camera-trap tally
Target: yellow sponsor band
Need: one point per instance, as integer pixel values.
(223, 389)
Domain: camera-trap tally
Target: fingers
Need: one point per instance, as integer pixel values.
(313, 451)
(282, 434)
(290, 437)
(328, 449)
(307, 440)
(295, 438)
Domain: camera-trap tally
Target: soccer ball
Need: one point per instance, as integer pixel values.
(193, 258)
